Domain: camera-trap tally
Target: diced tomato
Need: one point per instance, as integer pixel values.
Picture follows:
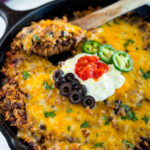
(90, 67)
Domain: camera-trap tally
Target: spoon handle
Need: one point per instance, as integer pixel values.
(104, 15)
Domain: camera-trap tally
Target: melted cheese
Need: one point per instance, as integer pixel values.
(42, 30)
(133, 91)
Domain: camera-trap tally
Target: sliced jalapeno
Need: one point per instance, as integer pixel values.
(106, 52)
(122, 61)
(91, 47)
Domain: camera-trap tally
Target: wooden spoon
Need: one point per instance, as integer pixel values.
(102, 16)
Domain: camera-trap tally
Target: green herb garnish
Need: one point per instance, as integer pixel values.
(127, 143)
(51, 114)
(85, 124)
(106, 120)
(26, 75)
(36, 38)
(130, 116)
(104, 117)
(129, 41)
(146, 75)
(146, 119)
(116, 21)
(46, 86)
(68, 127)
(69, 110)
(126, 108)
(98, 145)
(106, 123)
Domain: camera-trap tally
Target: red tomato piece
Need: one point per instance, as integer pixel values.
(90, 67)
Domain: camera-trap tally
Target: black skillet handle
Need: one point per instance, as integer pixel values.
(11, 16)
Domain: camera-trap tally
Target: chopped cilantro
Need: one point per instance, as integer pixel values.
(126, 108)
(51, 114)
(26, 75)
(129, 41)
(106, 120)
(36, 38)
(97, 134)
(146, 75)
(116, 21)
(127, 143)
(104, 117)
(98, 145)
(146, 119)
(50, 71)
(121, 105)
(68, 127)
(123, 118)
(46, 86)
(130, 116)
(137, 48)
(142, 70)
(69, 110)
(85, 124)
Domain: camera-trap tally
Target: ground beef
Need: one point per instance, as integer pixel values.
(12, 104)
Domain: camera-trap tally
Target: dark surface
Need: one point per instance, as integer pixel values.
(10, 16)
(16, 20)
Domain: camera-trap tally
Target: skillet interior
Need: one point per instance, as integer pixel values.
(58, 8)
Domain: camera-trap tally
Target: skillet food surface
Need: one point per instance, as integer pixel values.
(47, 120)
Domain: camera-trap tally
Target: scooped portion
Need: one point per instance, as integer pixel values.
(100, 88)
(48, 37)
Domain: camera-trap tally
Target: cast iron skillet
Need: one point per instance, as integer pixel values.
(15, 20)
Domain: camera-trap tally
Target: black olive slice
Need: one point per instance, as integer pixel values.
(58, 74)
(69, 77)
(88, 101)
(82, 89)
(59, 82)
(65, 89)
(75, 97)
(75, 83)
